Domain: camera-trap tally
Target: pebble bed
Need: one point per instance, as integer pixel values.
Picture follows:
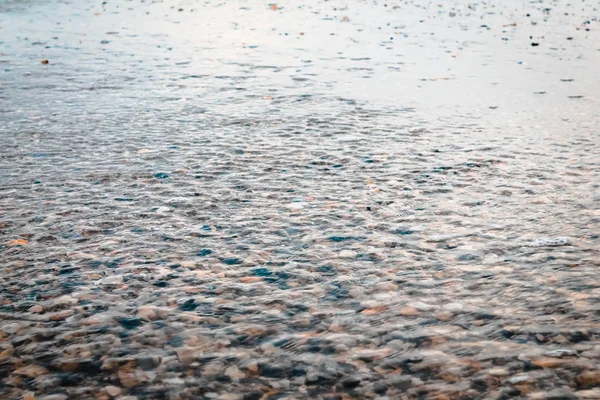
(243, 216)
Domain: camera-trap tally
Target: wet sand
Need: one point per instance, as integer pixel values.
(305, 200)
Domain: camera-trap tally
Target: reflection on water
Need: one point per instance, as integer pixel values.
(312, 200)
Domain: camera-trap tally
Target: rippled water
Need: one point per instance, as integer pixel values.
(322, 199)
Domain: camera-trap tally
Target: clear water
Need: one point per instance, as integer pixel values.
(329, 199)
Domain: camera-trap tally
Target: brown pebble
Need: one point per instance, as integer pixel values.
(147, 312)
(45, 61)
(127, 379)
(250, 279)
(589, 378)
(444, 315)
(409, 311)
(31, 371)
(36, 309)
(61, 315)
(7, 352)
(547, 362)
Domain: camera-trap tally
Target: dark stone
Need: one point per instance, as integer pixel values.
(380, 387)
(67, 270)
(298, 371)
(327, 269)
(130, 322)
(261, 272)
(351, 382)
(68, 379)
(145, 363)
(507, 334)
(204, 252)
(558, 395)
(253, 396)
(479, 384)
(344, 238)
(45, 357)
(401, 382)
(223, 378)
(468, 257)
(231, 261)
(188, 305)
(89, 367)
(275, 370)
(175, 341)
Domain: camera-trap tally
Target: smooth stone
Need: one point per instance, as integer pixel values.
(498, 372)
(454, 307)
(65, 301)
(113, 390)
(112, 280)
(348, 254)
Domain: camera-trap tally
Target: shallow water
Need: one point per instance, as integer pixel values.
(322, 200)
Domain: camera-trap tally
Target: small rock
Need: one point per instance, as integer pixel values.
(454, 307)
(409, 312)
(553, 395)
(401, 382)
(348, 254)
(520, 379)
(548, 362)
(234, 373)
(588, 394)
(65, 301)
(112, 280)
(61, 315)
(10, 328)
(127, 379)
(130, 322)
(498, 372)
(7, 352)
(420, 306)
(444, 315)
(552, 242)
(558, 353)
(351, 382)
(174, 381)
(589, 379)
(213, 368)
(55, 397)
(31, 371)
(113, 390)
(36, 309)
(296, 206)
(147, 312)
